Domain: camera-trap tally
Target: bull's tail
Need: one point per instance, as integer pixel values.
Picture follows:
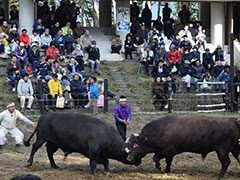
(27, 142)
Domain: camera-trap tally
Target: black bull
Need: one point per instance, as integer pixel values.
(174, 134)
(89, 136)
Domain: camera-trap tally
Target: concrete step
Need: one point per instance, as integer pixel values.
(119, 78)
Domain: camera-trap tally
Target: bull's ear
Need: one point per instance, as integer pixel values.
(127, 150)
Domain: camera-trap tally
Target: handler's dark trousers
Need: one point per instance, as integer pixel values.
(122, 129)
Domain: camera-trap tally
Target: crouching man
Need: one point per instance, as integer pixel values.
(8, 120)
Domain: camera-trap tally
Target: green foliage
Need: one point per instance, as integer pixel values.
(193, 8)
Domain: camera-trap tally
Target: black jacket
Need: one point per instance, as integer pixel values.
(93, 53)
(33, 56)
(167, 84)
(217, 70)
(156, 73)
(129, 43)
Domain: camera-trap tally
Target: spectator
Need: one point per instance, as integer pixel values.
(21, 53)
(160, 70)
(14, 16)
(60, 43)
(168, 29)
(33, 56)
(184, 14)
(94, 57)
(66, 91)
(78, 32)
(201, 38)
(55, 89)
(50, 21)
(217, 69)
(147, 16)
(177, 41)
(154, 42)
(162, 43)
(158, 24)
(69, 40)
(208, 62)
(128, 46)
(195, 54)
(78, 55)
(46, 39)
(206, 88)
(35, 38)
(174, 58)
(186, 73)
(116, 44)
(57, 69)
(143, 33)
(13, 25)
(166, 13)
(24, 38)
(42, 69)
(135, 26)
(158, 92)
(223, 77)
(152, 32)
(85, 40)
(4, 28)
(54, 30)
(169, 84)
(122, 114)
(177, 27)
(186, 44)
(77, 88)
(4, 45)
(25, 91)
(13, 39)
(46, 93)
(186, 55)
(198, 71)
(65, 29)
(72, 68)
(13, 71)
(138, 43)
(161, 54)
(135, 10)
(94, 94)
(38, 26)
(186, 32)
(52, 52)
(147, 58)
(218, 54)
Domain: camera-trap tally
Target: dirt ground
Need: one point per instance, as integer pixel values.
(187, 166)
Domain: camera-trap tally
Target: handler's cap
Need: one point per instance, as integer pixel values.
(10, 104)
(122, 99)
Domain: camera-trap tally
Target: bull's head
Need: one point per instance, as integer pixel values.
(134, 150)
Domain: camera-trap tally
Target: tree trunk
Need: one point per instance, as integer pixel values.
(95, 13)
(159, 8)
(83, 13)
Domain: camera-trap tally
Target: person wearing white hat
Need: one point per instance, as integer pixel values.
(13, 38)
(21, 54)
(8, 120)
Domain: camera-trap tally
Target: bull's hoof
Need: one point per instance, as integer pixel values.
(92, 173)
(55, 167)
(28, 165)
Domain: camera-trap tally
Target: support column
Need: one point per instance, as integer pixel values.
(6, 9)
(123, 18)
(229, 23)
(217, 24)
(205, 15)
(26, 15)
(105, 13)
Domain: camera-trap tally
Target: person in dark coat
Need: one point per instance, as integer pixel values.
(168, 29)
(69, 40)
(143, 33)
(208, 62)
(158, 93)
(177, 41)
(33, 56)
(169, 83)
(219, 54)
(77, 88)
(186, 44)
(158, 24)
(184, 14)
(166, 13)
(128, 46)
(147, 16)
(160, 70)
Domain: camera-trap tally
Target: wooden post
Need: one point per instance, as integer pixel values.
(170, 108)
(227, 95)
(105, 95)
(232, 70)
(41, 101)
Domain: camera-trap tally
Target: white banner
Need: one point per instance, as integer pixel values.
(123, 19)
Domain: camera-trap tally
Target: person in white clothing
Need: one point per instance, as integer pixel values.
(25, 91)
(8, 125)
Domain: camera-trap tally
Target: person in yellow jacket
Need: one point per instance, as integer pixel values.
(55, 89)
(3, 44)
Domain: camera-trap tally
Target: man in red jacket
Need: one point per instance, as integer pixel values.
(24, 38)
(52, 53)
(174, 58)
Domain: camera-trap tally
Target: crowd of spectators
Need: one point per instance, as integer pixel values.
(56, 37)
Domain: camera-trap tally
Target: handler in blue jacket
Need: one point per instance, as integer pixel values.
(122, 115)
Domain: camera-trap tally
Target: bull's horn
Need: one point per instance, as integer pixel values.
(127, 140)
(127, 150)
(136, 135)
